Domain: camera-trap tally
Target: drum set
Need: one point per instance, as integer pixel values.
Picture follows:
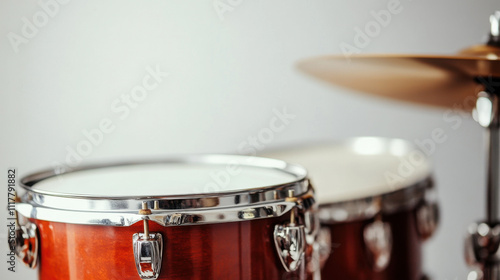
(355, 209)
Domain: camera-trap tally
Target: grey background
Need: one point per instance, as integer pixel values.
(225, 79)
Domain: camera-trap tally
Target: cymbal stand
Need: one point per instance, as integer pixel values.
(483, 240)
(482, 247)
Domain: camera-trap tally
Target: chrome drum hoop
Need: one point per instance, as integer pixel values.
(388, 203)
(175, 210)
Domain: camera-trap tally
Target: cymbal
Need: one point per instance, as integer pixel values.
(445, 81)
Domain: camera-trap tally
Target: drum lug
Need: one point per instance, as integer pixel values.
(290, 241)
(378, 240)
(427, 216)
(148, 249)
(27, 244)
(148, 254)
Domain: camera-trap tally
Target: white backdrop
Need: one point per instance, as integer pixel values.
(207, 75)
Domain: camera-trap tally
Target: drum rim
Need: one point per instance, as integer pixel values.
(384, 202)
(216, 207)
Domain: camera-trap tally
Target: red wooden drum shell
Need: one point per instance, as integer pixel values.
(238, 250)
(348, 259)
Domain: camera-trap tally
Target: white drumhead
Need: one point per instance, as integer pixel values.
(163, 179)
(359, 168)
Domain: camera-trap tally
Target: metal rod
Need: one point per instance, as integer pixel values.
(291, 194)
(487, 114)
(145, 211)
(493, 149)
(146, 230)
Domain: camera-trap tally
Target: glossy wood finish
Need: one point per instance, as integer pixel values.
(349, 260)
(238, 250)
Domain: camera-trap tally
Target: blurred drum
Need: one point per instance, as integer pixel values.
(377, 206)
(197, 217)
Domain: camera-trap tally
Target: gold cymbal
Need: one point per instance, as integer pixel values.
(445, 81)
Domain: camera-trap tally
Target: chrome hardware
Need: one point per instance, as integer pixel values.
(378, 240)
(482, 245)
(27, 244)
(290, 241)
(486, 109)
(483, 241)
(125, 219)
(427, 216)
(148, 254)
(366, 208)
(148, 249)
(486, 114)
(189, 209)
(494, 29)
(495, 26)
